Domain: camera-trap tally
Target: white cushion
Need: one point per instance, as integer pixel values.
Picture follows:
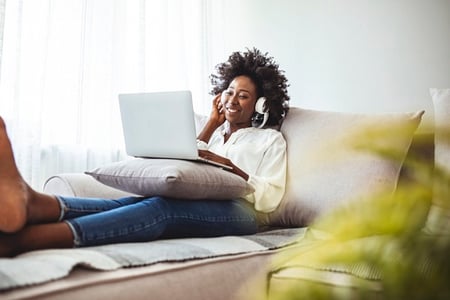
(81, 185)
(172, 178)
(331, 160)
(438, 221)
(441, 102)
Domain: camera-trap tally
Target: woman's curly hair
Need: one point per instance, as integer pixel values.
(264, 72)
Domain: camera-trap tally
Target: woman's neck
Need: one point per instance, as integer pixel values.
(230, 129)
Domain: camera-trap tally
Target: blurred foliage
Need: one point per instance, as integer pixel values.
(380, 244)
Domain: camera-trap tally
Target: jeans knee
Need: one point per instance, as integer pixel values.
(156, 203)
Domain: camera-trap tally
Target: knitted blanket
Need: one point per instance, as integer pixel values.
(37, 267)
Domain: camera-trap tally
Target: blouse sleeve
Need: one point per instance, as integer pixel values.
(270, 179)
(201, 145)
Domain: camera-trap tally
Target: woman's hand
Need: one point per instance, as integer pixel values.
(214, 157)
(216, 118)
(223, 160)
(217, 114)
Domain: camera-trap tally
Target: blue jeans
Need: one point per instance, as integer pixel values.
(135, 219)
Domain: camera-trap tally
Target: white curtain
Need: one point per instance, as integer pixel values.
(2, 23)
(65, 61)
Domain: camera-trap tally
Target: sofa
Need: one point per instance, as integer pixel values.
(336, 160)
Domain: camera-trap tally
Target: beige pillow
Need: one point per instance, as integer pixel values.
(438, 221)
(172, 178)
(329, 163)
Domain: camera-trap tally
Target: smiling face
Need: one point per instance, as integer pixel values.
(239, 102)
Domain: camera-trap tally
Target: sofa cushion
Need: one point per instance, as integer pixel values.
(171, 178)
(336, 157)
(438, 221)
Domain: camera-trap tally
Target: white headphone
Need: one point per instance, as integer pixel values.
(259, 108)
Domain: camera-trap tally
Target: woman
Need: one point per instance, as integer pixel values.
(31, 220)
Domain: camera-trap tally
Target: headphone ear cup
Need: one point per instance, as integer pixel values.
(259, 106)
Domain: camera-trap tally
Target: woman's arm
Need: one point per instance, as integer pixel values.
(270, 180)
(216, 118)
(223, 160)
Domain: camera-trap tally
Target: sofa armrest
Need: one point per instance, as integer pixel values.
(80, 185)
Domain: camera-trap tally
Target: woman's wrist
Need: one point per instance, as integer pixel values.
(239, 172)
(213, 124)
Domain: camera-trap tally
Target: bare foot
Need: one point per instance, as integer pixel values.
(14, 191)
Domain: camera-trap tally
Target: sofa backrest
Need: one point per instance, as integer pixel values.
(335, 158)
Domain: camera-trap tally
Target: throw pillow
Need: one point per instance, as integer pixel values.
(438, 221)
(172, 178)
(336, 157)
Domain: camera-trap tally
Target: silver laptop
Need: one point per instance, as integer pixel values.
(160, 125)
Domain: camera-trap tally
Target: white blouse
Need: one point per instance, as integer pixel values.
(261, 153)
